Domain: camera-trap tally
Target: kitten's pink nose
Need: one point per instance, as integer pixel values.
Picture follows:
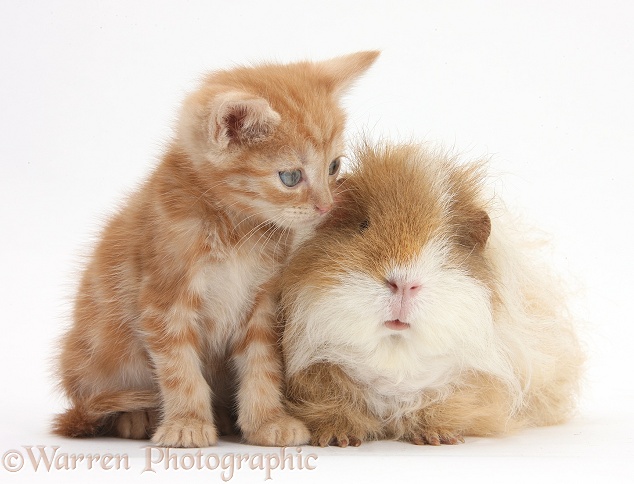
(323, 208)
(405, 289)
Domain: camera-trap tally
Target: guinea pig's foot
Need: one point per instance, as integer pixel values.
(337, 439)
(430, 437)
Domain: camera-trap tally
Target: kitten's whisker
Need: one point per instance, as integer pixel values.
(284, 235)
(270, 233)
(254, 230)
(257, 242)
(286, 240)
(250, 234)
(345, 190)
(249, 217)
(209, 189)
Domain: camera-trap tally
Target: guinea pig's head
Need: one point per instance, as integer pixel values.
(401, 258)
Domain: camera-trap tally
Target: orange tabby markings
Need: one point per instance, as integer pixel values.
(180, 281)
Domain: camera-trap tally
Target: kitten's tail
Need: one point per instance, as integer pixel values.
(93, 416)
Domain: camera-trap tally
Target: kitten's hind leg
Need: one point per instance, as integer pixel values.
(261, 413)
(98, 415)
(140, 424)
(224, 420)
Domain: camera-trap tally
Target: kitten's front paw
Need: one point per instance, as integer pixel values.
(282, 432)
(186, 432)
(433, 437)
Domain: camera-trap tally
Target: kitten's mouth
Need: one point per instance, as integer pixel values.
(396, 325)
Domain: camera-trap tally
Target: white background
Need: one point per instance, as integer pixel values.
(88, 95)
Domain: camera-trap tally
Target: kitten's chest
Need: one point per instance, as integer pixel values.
(228, 289)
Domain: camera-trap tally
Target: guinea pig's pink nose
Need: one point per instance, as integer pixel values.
(406, 289)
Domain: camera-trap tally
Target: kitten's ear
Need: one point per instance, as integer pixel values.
(339, 73)
(240, 118)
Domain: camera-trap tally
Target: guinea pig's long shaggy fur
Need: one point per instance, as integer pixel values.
(421, 312)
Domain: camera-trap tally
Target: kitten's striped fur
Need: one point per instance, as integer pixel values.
(175, 306)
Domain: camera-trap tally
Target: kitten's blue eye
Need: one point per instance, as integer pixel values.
(291, 178)
(334, 166)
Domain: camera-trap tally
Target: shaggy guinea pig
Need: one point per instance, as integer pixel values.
(420, 312)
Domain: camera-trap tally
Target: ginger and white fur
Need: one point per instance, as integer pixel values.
(174, 318)
(420, 312)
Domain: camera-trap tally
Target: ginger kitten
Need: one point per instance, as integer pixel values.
(175, 308)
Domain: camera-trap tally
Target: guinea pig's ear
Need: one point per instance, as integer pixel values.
(476, 229)
(346, 212)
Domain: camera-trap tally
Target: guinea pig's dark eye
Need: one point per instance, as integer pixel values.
(363, 226)
(334, 166)
(291, 178)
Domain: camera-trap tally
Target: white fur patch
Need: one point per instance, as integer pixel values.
(451, 329)
(228, 289)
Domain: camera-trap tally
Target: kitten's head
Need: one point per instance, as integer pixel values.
(268, 139)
